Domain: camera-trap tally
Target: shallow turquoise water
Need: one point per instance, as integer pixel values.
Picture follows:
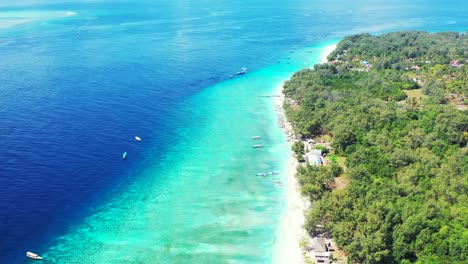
(207, 204)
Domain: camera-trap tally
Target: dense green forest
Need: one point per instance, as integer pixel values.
(389, 104)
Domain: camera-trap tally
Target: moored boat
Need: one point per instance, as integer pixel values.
(244, 70)
(256, 137)
(137, 138)
(258, 146)
(124, 155)
(33, 255)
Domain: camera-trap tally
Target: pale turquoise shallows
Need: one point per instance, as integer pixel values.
(206, 204)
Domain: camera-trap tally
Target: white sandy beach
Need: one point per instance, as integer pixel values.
(287, 248)
(328, 49)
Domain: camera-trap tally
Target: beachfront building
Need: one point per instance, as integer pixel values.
(320, 250)
(314, 157)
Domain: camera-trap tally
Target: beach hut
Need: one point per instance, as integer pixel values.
(320, 250)
(314, 157)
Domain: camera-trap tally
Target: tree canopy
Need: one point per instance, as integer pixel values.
(406, 157)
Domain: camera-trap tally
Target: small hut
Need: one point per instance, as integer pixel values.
(314, 157)
(321, 253)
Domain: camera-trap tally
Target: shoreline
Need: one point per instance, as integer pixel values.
(291, 231)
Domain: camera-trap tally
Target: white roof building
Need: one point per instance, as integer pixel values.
(314, 157)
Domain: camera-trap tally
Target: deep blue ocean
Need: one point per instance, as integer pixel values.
(80, 79)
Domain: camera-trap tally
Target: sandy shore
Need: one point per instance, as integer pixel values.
(287, 248)
(328, 49)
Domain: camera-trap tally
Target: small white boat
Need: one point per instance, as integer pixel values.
(33, 255)
(256, 137)
(137, 138)
(277, 181)
(258, 146)
(261, 174)
(244, 71)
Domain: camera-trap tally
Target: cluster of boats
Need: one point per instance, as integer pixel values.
(125, 154)
(263, 174)
(242, 72)
(257, 145)
(289, 57)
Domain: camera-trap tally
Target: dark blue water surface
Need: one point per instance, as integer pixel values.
(76, 88)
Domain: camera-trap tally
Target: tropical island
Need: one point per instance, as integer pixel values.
(381, 136)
